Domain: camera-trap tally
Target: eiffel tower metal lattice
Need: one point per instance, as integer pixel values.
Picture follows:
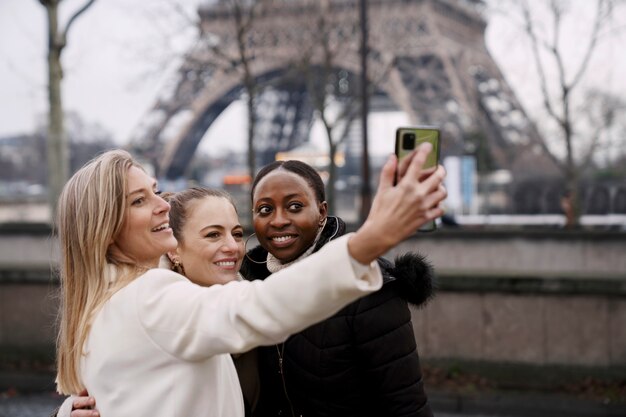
(428, 57)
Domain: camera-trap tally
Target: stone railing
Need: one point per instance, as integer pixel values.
(526, 297)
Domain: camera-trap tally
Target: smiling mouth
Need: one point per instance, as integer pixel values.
(281, 239)
(161, 227)
(226, 265)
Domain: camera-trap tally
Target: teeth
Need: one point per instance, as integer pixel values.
(161, 227)
(226, 263)
(282, 238)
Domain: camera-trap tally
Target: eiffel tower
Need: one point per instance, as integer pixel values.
(426, 57)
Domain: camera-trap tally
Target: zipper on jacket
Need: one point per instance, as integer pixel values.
(281, 353)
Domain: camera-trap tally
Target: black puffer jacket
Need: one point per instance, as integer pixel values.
(360, 362)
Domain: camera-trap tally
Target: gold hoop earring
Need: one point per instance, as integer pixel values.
(178, 267)
(245, 249)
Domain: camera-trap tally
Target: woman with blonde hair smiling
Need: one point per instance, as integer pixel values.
(147, 341)
(210, 250)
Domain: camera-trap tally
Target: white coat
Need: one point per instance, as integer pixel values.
(161, 345)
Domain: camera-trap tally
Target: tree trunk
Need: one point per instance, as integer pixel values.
(58, 155)
(57, 143)
(251, 151)
(243, 27)
(332, 178)
(570, 202)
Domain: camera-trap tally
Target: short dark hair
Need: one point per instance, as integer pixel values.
(303, 170)
(180, 201)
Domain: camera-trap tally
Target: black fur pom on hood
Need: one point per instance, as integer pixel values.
(413, 275)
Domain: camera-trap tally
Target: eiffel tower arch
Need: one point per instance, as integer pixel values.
(428, 57)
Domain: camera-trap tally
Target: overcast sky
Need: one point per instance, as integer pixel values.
(112, 79)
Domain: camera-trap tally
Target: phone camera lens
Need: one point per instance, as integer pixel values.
(408, 141)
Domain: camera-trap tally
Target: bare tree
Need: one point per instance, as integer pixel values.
(558, 83)
(58, 154)
(242, 14)
(335, 97)
(324, 88)
(336, 116)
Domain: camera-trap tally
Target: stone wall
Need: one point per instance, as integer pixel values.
(536, 298)
(515, 325)
(519, 252)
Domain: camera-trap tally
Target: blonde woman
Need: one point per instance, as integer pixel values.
(147, 341)
(210, 250)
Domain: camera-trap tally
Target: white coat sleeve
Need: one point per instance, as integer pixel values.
(66, 408)
(193, 322)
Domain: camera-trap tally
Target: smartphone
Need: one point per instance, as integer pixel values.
(409, 138)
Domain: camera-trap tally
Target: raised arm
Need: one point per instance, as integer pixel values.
(398, 211)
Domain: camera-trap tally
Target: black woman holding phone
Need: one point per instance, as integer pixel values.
(363, 360)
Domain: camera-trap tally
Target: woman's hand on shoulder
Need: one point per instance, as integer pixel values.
(83, 406)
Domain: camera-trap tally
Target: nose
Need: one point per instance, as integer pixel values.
(230, 244)
(161, 206)
(280, 218)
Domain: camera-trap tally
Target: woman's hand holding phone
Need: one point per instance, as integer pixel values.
(399, 210)
(403, 165)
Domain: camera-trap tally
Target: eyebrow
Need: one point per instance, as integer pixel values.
(219, 226)
(139, 190)
(287, 197)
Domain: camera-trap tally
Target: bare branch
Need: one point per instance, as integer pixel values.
(564, 121)
(556, 53)
(348, 118)
(221, 56)
(591, 150)
(70, 22)
(597, 24)
(557, 161)
(530, 31)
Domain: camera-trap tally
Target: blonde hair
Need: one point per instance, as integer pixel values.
(91, 212)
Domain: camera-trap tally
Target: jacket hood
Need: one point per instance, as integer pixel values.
(410, 272)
